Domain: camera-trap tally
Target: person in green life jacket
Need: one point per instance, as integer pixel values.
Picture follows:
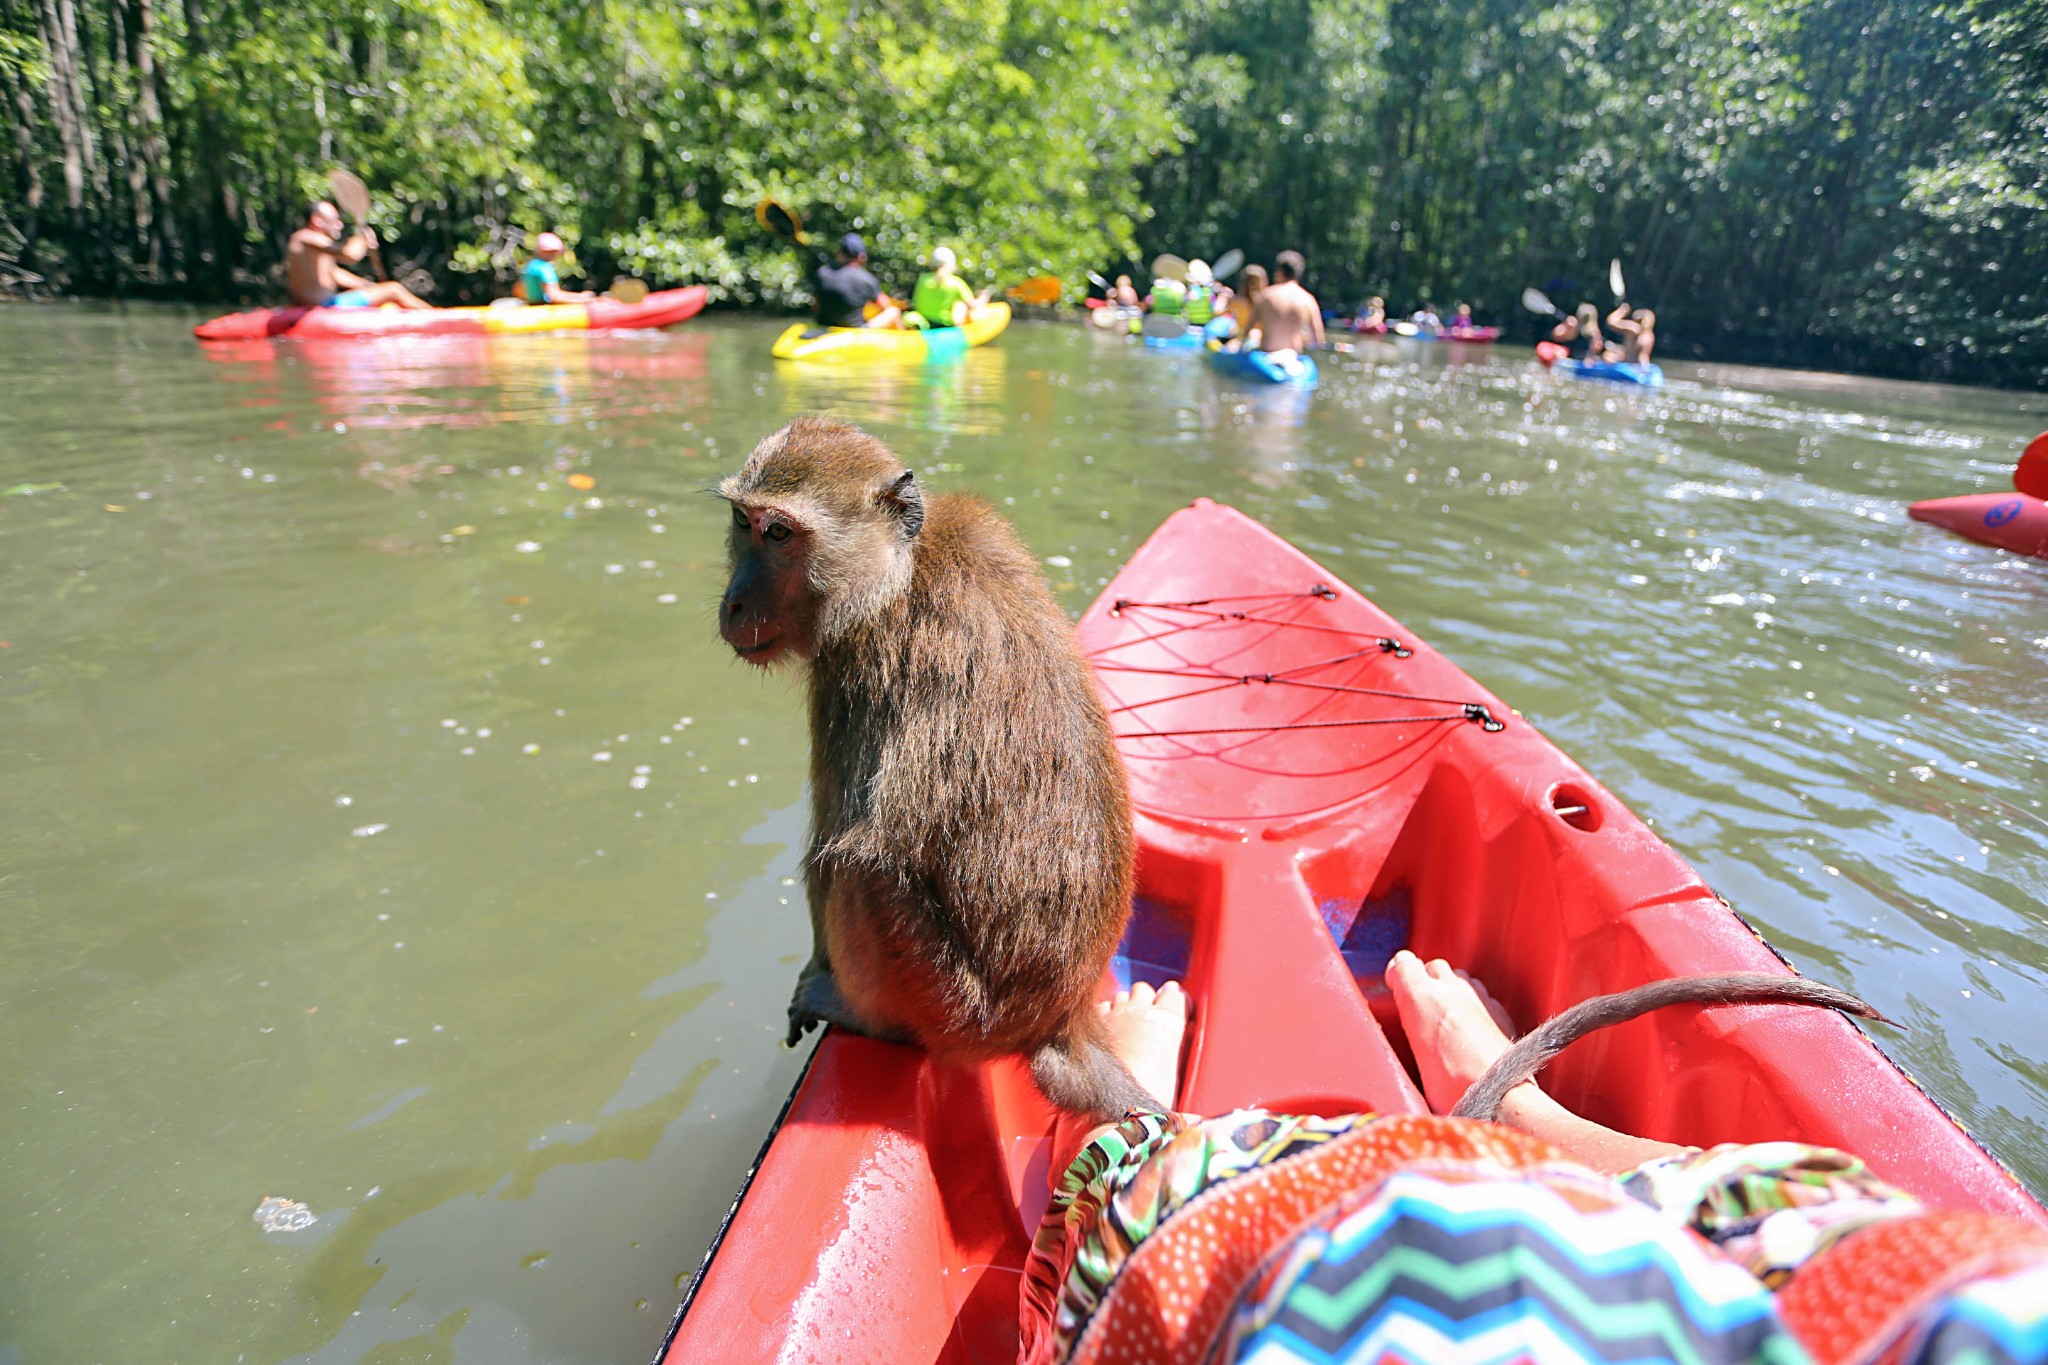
(1199, 305)
(539, 283)
(942, 298)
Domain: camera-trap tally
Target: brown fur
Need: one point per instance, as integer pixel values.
(1533, 1051)
(970, 867)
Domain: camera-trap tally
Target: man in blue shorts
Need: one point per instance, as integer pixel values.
(313, 271)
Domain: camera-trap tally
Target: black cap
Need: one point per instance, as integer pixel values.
(852, 245)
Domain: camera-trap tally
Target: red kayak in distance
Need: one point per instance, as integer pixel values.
(1314, 789)
(661, 309)
(2015, 521)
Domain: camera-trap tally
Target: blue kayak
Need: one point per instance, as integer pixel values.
(1648, 376)
(1265, 367)
(1189, 340)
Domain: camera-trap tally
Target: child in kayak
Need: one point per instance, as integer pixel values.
(942, 298)
(1580, 334)
(1637, 333)
(538, 282)
(1282, 1238)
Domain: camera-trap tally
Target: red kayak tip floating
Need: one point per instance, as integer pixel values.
(2015, 521)
(662, 309)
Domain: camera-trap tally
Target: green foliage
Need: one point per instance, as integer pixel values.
(1850, 182)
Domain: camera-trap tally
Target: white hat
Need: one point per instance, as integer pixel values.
(1198, 273)
(943, 258)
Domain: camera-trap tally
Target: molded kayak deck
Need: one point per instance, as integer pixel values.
(661, 309)
(2009, 521)
(802, 342)
(1314, 789)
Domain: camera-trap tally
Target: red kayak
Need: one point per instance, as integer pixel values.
(1315, 789)
(2016, 521)
(661, 309)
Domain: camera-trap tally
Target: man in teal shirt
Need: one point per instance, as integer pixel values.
(941, 295)
(539, 283)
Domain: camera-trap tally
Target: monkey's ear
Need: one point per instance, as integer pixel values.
(906, 499)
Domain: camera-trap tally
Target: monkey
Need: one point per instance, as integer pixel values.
(972, 851)
(1534, 1050)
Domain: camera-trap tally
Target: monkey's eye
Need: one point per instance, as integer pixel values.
(739, 518)
(777, 533)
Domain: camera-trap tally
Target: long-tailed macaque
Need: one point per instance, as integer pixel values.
(1533, 1051)
(970, 863)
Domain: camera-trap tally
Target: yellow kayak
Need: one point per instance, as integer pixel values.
(802, 342)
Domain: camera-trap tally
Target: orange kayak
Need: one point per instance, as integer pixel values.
(661, 309)
(1315, 788)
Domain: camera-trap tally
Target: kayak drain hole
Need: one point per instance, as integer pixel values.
(1575, 807)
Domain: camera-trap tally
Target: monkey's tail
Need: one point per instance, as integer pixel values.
(1079, 1074)
(1534, 1051)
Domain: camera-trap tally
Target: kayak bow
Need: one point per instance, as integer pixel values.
(803, 342)
(1291, 839)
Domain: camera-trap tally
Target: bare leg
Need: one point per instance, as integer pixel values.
(1457, 1030)
(391, 291)
(1142, 1029)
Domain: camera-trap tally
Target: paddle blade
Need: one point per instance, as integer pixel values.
(1163, 325)
(1039, 289)
(351, 195)
(1098, 282)
(1614, 279)
(1536, 301)
(1228, 264)
(779, 220)
(2030, 476)
(1169, 267)
(627, 291)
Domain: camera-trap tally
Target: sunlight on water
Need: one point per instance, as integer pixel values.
(400, 879)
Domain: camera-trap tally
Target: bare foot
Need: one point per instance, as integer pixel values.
(1145, 1031)
(1455, 1028)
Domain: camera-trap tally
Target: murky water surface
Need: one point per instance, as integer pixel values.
(384, 830)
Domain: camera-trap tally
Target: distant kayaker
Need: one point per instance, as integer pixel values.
(539, 283)
(1580, 334)
(1240, 310)
(942, 298)
(846, 290)
(1637, 333)
(1285, 316)
(1463, 322)
(1371, 317)
(1126, 295)
(313, 273)
(1199, 304)
(1426, 321)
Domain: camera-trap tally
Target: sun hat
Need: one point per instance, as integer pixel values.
(852, 245)
(943, 258)
(548, 241)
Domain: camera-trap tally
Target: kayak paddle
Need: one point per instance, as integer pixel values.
(352, 197)
(627, 290)
(2030, 475)
(1614, 280)
(1228, 264)
(1100, 283)
(1536, 301)
(1169, 267)
(781, 221)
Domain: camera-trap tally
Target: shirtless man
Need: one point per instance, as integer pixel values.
(1286, 317)
(315, 277)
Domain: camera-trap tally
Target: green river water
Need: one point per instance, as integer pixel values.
(384, 828)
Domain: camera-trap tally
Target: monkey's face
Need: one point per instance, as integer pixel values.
(770, 610)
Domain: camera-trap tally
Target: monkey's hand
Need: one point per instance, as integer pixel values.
(817, 1001)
